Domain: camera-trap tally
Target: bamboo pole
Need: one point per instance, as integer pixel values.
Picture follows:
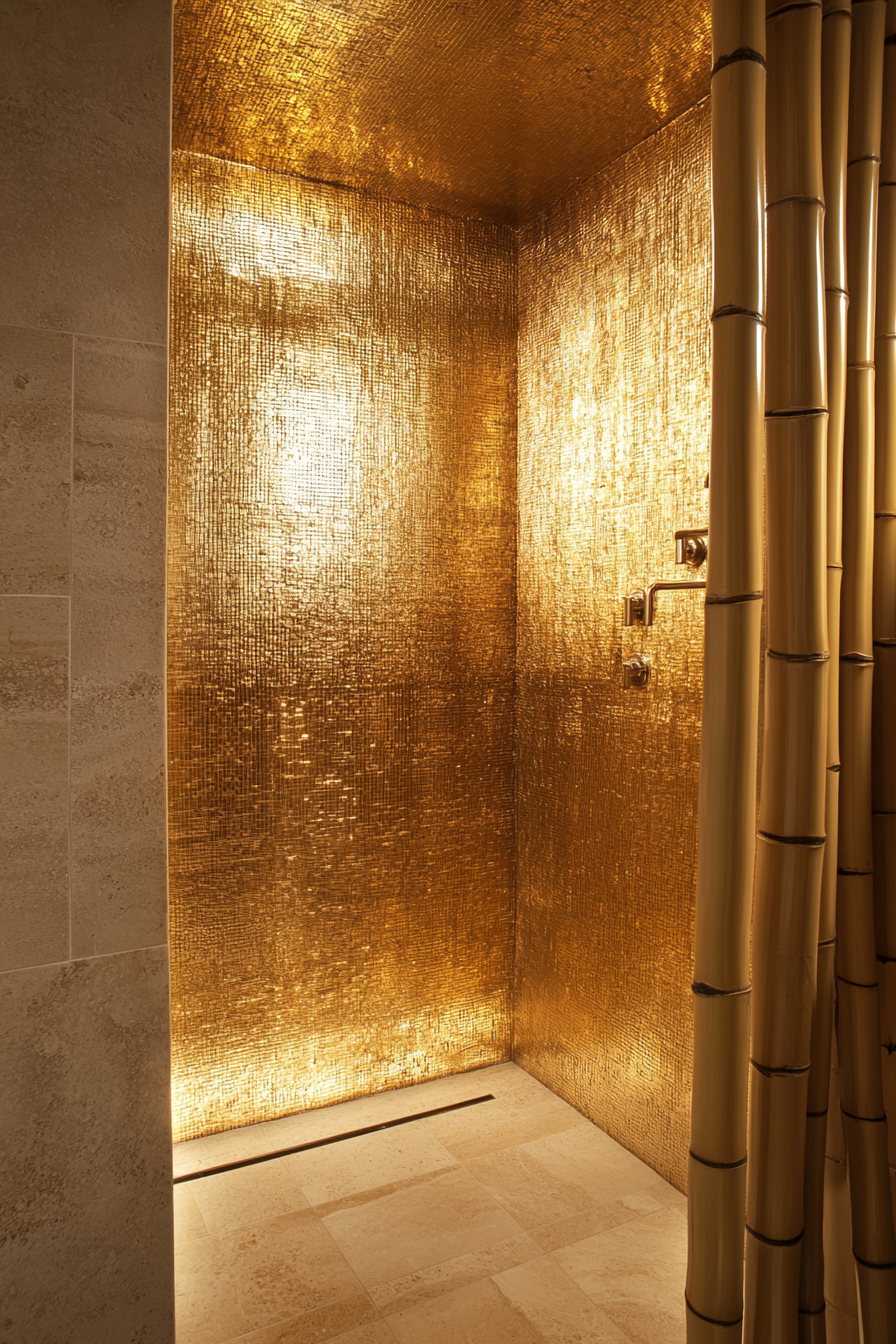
(727, 794)
(864, 1121)
(883, 765)
(839, 1264)
(792, 801)
(835, 44)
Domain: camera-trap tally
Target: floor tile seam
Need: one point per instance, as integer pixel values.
(492, 1195)
(491, 1151)
(634, 1216)
(307, 1213)
(282, 1164)
(437, 1264)
(208, 1231)
(591, 1206)
(371, 1196)
(566, 1274)
(477, 1278)
(601, 1306)
(250, 1225)
(299, 1316)
(514, 1306)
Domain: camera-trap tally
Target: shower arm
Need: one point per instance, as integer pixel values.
(640, 606)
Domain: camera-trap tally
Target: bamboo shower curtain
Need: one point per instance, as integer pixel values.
(791, 1196)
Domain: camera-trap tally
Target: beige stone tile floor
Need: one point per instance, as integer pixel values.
(512, 1222)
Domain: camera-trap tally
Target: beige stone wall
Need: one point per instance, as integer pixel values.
(84, 1068)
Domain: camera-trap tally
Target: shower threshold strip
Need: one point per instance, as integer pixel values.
(334, 1138)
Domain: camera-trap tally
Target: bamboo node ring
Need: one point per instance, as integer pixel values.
(711, 992)
(797, 411)
(714, 601)
(780, 657)
(792, 4)
(784, 1071)
(732, 310)
(739, 54)
(795, 200)
(711, 1319)
(864, 1119)
(719, 1166)
(870, 1264)
(813, 841)
(776, 1241)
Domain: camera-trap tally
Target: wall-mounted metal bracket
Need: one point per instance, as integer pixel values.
(640, 605)
(690, 546)
(635, 672)
(634, 607)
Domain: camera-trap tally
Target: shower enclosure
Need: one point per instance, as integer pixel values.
(439, 401)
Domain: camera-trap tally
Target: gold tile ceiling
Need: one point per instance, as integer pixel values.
(483, 107)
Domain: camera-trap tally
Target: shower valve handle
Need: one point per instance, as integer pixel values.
(640, 605)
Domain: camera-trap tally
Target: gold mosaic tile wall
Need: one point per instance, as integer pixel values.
(614, 398)
(489, 108)
(342, 525)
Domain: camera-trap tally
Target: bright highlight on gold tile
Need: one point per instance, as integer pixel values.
(341, 643)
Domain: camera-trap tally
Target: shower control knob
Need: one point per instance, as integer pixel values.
(691, 546)
(635, 672)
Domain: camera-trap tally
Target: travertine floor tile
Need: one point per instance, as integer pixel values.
(188, 1221)
(527, 1189)
(377, 1332)
(476, 1314)
(562, 1237)
(587, 1159)
(237, 1282)
(581, 1225)
(437, 1219)
(664, 1193)
(450, 1274)
(635, 1273)
(347, 1319)
(522, 1110)
(247, 1195)
(555, 1307)
(388, 1158)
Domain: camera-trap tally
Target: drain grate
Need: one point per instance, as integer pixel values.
(334, 1138)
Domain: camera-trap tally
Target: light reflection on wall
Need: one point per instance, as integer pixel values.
(613, 448)
(341, 643)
